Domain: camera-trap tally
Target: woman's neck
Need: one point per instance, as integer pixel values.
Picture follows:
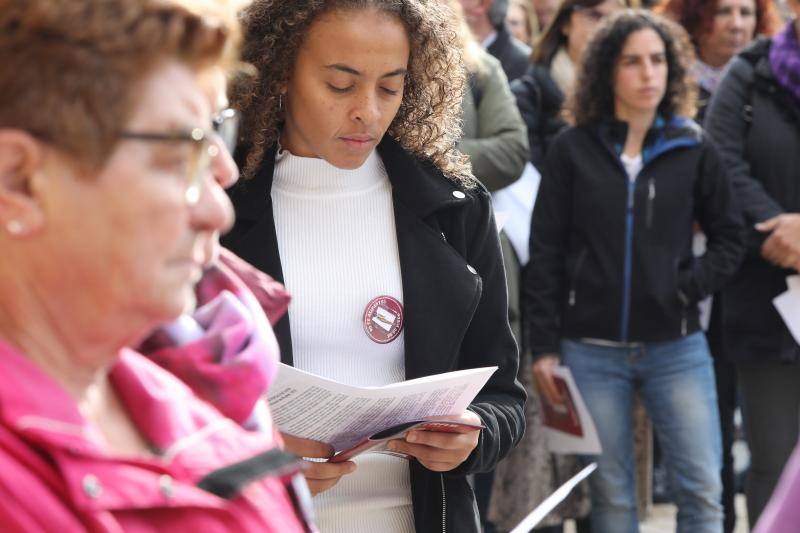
(68, 342)
(638, 126)
(77, 366)
(715, 61)
(80, 364)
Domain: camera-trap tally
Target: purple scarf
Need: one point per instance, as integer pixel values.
(226, 350)
(784, 60)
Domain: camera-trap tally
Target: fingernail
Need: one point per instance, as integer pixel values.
(412, 436)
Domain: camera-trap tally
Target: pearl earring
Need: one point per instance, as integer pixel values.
(15, 227)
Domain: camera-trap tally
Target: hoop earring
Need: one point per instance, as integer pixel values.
(280, 101)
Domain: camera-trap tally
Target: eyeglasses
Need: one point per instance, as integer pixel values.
(204, 144)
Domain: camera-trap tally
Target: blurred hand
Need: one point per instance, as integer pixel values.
(782, 247)
(320, 476)
(439, 451)
(543, 376)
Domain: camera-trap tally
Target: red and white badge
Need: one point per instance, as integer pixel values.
(383, 319)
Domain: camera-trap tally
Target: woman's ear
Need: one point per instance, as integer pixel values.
(21, 159)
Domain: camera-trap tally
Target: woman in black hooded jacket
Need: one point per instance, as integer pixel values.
(613, 285)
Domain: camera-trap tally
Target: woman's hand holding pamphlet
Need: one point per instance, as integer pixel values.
(354, 420)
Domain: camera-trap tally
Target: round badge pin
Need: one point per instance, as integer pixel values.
(383, 319)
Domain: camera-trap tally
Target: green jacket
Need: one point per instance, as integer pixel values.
(494, 135)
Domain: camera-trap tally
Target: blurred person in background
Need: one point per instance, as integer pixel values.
(495, 139)
(545, 11)
(613, 227)
(487, 20)
(541, 91)
(719, 29)
(114, 152)
(754, 116)
(354, 192)
(531, 472)
(522, 22)
(493, 134)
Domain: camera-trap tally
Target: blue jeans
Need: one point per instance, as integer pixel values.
(676, 383)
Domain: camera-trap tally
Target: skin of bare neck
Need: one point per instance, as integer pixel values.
(71, 349)
(638, 124)
(715, 61)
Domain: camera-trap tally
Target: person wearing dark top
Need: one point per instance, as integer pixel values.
(719, 29)
(541, 90)
(613, 286)
(754, 117)
(486, 19)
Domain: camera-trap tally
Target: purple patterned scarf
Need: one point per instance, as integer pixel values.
(784, 60)
(707, 77)
(226, 350)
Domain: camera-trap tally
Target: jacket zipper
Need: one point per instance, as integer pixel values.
(651, 196)
(685, 304)
(627, 265)
(576, 270)
(444, 505)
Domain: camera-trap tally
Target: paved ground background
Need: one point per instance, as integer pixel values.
(662, 519)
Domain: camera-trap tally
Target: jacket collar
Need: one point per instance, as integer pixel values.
(42, 413)
(35, 404)
(419, 185)
(663, 136)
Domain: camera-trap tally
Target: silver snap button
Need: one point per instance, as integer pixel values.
(92, 486)
(472, 270)
(460, 195)
(165, 486)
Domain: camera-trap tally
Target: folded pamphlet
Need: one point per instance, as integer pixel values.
(568, 426)
(358, 419)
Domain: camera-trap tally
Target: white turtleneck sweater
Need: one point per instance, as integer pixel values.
(338, 248)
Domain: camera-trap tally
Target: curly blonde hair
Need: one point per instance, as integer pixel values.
(428, 122)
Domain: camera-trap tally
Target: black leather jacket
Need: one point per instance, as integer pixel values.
(454, 294)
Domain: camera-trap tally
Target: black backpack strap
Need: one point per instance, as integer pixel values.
(754, 53)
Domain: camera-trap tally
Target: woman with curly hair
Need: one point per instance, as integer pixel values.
(356, 197)
(613, 286)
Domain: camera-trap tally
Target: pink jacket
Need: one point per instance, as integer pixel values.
(54, 476)
(782, 513)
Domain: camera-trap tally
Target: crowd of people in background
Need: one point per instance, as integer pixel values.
(192, 191)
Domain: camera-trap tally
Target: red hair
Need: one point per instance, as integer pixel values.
(697, 16)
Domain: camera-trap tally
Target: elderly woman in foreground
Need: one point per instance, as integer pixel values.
(112, 168)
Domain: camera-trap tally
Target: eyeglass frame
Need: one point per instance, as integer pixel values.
(205, 144)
